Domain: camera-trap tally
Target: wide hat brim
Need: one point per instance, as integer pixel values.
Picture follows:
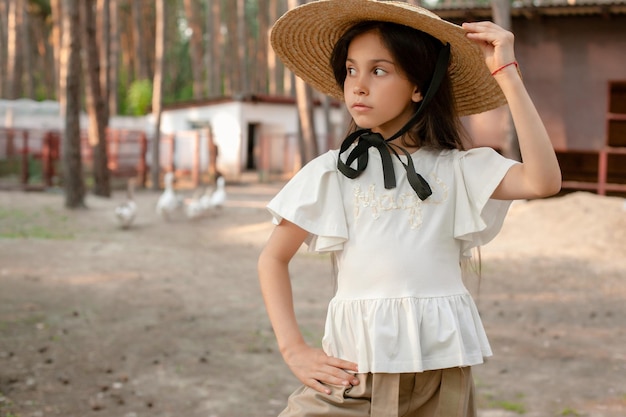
(304, 38)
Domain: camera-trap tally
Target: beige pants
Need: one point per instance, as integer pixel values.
(440, 393)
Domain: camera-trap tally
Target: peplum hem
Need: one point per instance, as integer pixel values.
(406, 334)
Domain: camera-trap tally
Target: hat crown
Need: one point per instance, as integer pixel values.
(305, 36)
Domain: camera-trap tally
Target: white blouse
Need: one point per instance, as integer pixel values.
(400, 304)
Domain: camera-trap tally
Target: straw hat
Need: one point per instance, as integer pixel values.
(304, 38)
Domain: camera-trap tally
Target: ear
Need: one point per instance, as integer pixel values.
(417, 96)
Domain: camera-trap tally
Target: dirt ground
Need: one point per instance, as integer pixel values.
(166, 319)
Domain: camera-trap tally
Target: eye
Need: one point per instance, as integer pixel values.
(350, 71)
(379, 71)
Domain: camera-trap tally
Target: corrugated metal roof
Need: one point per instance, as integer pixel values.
(482, 8)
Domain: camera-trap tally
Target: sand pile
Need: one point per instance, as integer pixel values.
(581, 225)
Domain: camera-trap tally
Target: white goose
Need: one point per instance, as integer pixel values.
(194, 207)
(126, 211)
(205, 199)
(168, 202)
(218, 197)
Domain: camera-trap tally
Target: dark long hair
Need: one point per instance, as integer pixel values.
(415, 52)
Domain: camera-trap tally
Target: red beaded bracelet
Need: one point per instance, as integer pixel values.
(508, 65)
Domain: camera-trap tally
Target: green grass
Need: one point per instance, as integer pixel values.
(29, 320)
(41, 224)
(6, 402)
(515, 407)
(569, 412)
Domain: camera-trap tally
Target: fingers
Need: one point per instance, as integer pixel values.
(318, 386)
(317, 370)
(337, 372)
(332, 372)
(323, 382)
(340, 363)
(489, 33)
(495, 42)
(486, 27)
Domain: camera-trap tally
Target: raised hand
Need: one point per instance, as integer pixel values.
(495, 42)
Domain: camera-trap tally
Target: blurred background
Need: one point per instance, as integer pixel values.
(174, 123)
(196, 86)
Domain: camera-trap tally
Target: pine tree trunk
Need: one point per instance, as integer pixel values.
(262, 48)
(330, 134)
(113, 57)
(272, 77)
(288, 77)
(25, 65)
(196, 50)
(3, 47)
(43, 59)
(216, 44)
(159, 49)
(280, 67)
(304, 100)
(148, 15)
(308, 142)
(242, 67)
(12, 90)
(95, 100)
(141, 72)
(501, 10)
(126, 46)
(73, 182)
(57, 27)
(103, 36)
(230, 55)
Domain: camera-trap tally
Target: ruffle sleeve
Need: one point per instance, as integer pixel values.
(478, 218)
(312, 200)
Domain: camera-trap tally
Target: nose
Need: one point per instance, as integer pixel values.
(359, 87)
(358, 90)
(356, 84)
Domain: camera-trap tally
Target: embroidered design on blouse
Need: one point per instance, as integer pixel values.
(440, 190)
(408, 202)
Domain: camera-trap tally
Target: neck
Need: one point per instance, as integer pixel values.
(403, 144)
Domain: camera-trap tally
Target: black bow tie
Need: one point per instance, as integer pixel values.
(367, 139)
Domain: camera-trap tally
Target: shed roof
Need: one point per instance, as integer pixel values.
(464, 9)
(242, 98)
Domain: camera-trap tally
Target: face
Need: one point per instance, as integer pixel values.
(377, 93)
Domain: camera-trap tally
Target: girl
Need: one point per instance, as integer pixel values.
(400, 204)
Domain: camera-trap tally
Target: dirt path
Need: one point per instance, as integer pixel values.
(166, 319)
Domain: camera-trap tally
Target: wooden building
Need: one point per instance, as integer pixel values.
(573, 58)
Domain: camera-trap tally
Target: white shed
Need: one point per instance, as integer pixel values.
(254, 133)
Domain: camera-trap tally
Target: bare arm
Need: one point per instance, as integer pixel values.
(539, 175)
(311, 366)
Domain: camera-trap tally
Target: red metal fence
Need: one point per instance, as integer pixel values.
(30, 158)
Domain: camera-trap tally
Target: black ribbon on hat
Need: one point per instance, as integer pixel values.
(368, 139)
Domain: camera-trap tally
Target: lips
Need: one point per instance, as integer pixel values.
(360, 107)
